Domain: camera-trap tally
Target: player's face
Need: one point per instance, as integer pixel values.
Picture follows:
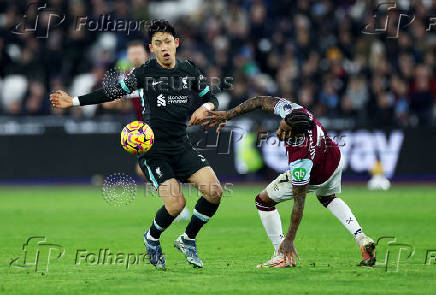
(136, 55)
(164, 45)
(284, 131)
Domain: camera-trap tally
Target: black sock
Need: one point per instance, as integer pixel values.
(162, 220)
(203, 211)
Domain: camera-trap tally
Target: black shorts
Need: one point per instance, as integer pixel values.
(159, 167)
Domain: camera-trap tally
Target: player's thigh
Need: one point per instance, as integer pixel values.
(187, 163)
(156, 169)
(193, 167)
(139, 171)
(280, 189)
(171, 194)
(331, 187)
(207, 183)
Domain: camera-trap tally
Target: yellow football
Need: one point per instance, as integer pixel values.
(137, 138)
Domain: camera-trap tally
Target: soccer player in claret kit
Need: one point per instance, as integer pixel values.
(315, 165)
(169, 86)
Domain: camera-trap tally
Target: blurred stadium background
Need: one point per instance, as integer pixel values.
(365, 68)
(372, 88)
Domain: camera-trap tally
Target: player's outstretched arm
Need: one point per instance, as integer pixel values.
(266, 103)
(110, 92)
(287, 247)
(61, 99)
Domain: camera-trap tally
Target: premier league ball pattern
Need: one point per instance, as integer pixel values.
(137, 138)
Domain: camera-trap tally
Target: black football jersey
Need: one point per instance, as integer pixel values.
(166, 94)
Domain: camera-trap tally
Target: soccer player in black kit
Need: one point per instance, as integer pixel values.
(168, 88)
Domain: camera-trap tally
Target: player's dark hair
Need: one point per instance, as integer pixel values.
(135, 43)
(160, 26)
(299, 121)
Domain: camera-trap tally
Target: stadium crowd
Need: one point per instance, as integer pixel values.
(331, 56)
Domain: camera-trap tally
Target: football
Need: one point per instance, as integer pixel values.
(137, 138)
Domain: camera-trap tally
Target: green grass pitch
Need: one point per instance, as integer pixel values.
(231, 245)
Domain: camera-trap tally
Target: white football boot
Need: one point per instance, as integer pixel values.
(367, 247)
(276, 261)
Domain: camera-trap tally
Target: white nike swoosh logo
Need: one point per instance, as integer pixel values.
(155, 83)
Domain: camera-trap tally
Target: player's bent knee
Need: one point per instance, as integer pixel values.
(215, 193)
(326, 200)
(263, 195)
(175, 206)
(264, 203)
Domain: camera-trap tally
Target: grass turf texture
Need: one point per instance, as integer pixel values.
(231, 244)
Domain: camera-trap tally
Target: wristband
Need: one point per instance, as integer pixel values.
(76, 101)
(207, 106)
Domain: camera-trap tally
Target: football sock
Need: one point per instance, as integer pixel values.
(185, 236)
(203, 211)
(162, 220)
(345, 216)
(270, 218)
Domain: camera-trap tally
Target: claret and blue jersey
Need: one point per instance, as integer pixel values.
(313, 157)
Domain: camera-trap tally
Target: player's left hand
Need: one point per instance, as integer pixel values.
(198, 116)
(289, 251)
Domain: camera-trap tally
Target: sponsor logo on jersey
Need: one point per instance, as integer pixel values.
(177, 99)
(299, 173)
(161, 101)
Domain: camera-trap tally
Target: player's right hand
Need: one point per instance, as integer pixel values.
(287, 248)
(60, 99)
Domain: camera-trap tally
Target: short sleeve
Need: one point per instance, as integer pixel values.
(283, 108)
(300, 171)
